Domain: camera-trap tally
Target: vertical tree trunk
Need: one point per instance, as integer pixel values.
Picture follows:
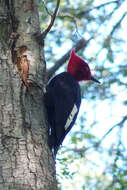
(26, 162)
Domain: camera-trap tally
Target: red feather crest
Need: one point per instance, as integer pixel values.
(78, 68)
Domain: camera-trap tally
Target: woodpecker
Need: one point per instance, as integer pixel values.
(63, 99)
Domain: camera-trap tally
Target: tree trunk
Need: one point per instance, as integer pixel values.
(26, 162)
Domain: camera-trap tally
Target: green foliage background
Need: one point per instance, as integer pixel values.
(104, 25)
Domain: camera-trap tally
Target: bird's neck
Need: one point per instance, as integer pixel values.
(74, 74)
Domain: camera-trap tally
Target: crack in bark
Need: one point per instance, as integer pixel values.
(11, 14)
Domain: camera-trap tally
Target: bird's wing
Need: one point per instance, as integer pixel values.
(66, 106)
(63, 102)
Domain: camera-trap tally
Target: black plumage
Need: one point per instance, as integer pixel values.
(62, 101)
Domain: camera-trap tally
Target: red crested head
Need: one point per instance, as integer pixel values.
(78, 68)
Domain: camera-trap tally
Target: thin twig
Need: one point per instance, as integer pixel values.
(118, 23)
(120, 124)
(96, 145)
(98, 7)
(79, 45)
(74, 19)
(46, 8)
(43, 35)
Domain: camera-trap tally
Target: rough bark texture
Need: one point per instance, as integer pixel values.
(26, 162)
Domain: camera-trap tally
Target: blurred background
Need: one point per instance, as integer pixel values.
(94, 154)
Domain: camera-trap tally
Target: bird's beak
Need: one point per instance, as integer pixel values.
(94, 79)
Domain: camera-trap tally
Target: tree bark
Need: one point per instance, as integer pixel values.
(26, 162)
